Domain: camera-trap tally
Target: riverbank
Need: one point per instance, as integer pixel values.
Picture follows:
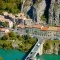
(51, 50)
(51, 47)
(14, 41)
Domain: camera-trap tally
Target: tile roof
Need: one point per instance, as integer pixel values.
(20, 14)
(28, 26)
(4, 29)
(5, 20)
(58, 28)
(37, 26)
(52, 28)
(40, 27)
(1, 17)
(21, 26)
(11, 15)
(1, 29)
(44, 28)
(5, 13)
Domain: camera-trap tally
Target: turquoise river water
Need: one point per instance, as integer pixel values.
(48, 57)
(18, 55)
(11, 54)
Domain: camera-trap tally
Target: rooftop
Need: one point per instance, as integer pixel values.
(37, 26)
(5, 13)
(4, 30)
(5, 20)
(40, 27)
(21, 26)
(44, 28)
(11, 15)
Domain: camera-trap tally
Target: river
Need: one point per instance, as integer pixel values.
(11, 54)
(49, 57)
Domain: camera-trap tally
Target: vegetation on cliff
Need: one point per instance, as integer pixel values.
(51, 46)
(11, 41)
(12, 6)
(43, 18)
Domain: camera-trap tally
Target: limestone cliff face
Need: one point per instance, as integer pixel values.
(54, 13)
(40, 8)
(26, 5)
(34, 9)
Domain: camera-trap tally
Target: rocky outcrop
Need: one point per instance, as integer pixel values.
(51, 47)
(40, 8)
(26, 5)
(54, 13)
(34, 9)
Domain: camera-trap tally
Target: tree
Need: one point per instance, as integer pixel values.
(26, 37)
(12, 34)
(43, 18)
(18, 2)
(13, 26)
(12, 6)
(46, 46)
(5, 37)
(1, 4)
(32, 41)
(4, 24)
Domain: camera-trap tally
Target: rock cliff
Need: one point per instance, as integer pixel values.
(54, 13)
(51, 46)
(36, 8)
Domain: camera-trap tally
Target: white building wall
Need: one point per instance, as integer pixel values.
(10, 24)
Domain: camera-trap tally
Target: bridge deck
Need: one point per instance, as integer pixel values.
(33, 51)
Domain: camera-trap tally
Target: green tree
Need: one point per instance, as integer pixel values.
(1, 5)
(4, 24)
(5, 37)
(12, 6)
(32, 41)
(18, 2)
(46, 46)
(26, 37)
(12, 34)
(43, 18)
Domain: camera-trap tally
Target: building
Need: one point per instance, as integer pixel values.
(27, 21)
(42, 31)
(5, 14)
(21, 19)
(8, 22)
(3, 31)
(11, 17)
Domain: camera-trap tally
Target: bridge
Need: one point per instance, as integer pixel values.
(36, 49)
